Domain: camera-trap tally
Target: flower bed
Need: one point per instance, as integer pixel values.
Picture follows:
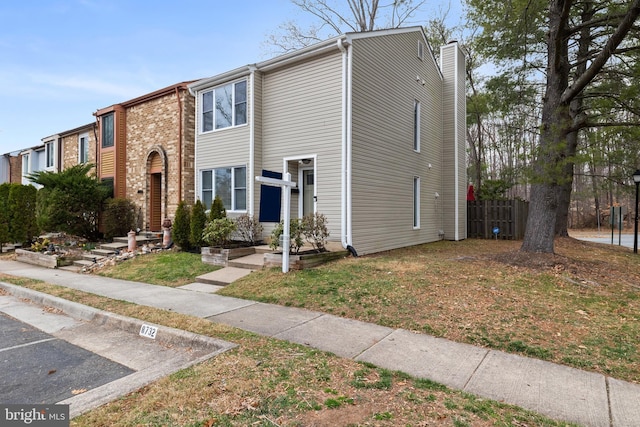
(303, 260)
(221, 256)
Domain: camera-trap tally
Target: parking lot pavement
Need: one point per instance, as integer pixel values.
(40, 368)
(54, 351)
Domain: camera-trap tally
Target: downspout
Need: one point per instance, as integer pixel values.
(252, 127)
(180, 142)
(195, 145)
(456, 145)
(346, 206)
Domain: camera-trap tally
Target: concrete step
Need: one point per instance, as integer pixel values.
(263, 249)
(92, 257)
(224, 276)
(140, 239)
(103, 252)
(83, 263)
(250, 262)
(113, 246)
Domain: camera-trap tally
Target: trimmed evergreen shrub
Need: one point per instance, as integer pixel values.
(197, 224)
(4, 215)
(21, 208)
(182, 226)
(217, 209)
(70, 200)
(119, 217)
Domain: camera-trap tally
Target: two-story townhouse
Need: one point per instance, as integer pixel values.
(145, 148)
(369, 125)
(78, 145)
(43, 157)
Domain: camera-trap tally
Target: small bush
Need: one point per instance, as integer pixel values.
(217, 209)
(248, 228)
(197, 224)
(218, 231)
(182, 226)
(314, 229)
(119, 217)
(295, 234)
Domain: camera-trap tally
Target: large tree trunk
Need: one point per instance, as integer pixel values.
(556, 122)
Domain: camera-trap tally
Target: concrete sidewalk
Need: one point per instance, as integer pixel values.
(556, 391)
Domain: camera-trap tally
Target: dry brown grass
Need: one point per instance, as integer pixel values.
(578, 307)
(265, 382)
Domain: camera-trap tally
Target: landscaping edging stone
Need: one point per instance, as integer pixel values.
(37, 258)
(221, 257)
(303, 261)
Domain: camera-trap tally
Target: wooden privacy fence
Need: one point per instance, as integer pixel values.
(509, 216)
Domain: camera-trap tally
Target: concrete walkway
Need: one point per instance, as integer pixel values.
(556, 391)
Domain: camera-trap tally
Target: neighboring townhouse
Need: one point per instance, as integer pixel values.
(44, 157)
(11, 168)
(370, 127)
(78, 146)
(145, 149)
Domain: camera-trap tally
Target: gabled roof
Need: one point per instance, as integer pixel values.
(317, 49)
(147, 97)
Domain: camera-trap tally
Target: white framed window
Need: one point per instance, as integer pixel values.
(229, 183)
(83, 148)
(416, 126)
(49, 150)
(224, 106)
(420, 50)
(26, 164)
(416, 202)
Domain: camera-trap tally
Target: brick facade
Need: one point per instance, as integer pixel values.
(71, 144)
(160, 153)
(16, 169)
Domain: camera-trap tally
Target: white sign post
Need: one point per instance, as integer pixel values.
(286, 185)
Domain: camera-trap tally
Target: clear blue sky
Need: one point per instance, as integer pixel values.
(61, 60)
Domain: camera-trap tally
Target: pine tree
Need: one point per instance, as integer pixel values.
(182, 226)
(198, 222)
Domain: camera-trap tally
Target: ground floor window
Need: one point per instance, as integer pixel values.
(416, 202)
(229, 183)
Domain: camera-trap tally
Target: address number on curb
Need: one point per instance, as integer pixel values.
(148, 331)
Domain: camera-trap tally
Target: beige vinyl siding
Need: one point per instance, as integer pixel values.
(387, 79)
(221, 148)
(454, 143)
(301, 116)
(257, 123)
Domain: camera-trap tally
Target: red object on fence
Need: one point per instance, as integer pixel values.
(470, 194)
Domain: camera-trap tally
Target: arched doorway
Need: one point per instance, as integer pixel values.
(154, 201)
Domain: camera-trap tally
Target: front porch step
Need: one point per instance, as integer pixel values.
(92, 257)
(83, 263)
(140, 239)
(250, 262)
(224, 276)
(103, 252)
(113, 246)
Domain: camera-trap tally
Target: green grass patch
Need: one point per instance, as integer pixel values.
(170, 268)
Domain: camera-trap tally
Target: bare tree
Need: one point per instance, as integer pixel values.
(337, 17)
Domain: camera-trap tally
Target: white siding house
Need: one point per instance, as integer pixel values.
(369, 126)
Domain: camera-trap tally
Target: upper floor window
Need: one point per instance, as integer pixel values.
(416, 126)
(107, 130)
(224, 106)
(83, 148)
(26, 165)
(49, 153)
(228, 183)
(420, 50)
